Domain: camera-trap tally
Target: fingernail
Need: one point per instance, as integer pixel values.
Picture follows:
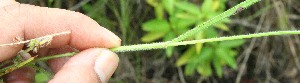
(116, 38)
(105, 65)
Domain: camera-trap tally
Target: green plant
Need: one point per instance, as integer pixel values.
(97, 12)
(181, 16)
(175, 42)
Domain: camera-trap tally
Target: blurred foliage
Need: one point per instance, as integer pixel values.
(174, 17)
(41, 77)
(97, 11)
(272, 60)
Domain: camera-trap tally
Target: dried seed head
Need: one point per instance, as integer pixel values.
(45, 41)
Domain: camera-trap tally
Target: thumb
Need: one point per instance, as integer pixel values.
(89, 66)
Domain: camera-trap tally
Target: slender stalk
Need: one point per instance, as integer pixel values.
(54, 56)
(161, 45)
(15, 66)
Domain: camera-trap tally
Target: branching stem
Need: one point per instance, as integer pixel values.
(161, 45)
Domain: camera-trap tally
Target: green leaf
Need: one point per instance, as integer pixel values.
(199, 36)
(184, 15)
(152, 2)
(211, 16)
(222, 26)
(198, 47)
(222, 53)
(222, 5)
(152, 36)
(159, 11)
(206, 54)
(204, 59)
(41, 77)
(169, 51)
(169, 36)
(216, 5)
(207, 6)
(232, 53)
(218, 67)
(179, 26)
(158, 8)
(156, 25)
(205, 70)
(190, 68)
(211, 33)
(232, 43)
(188, 7)
(169, 6)
(185, 57)
(180, 31)
(185, 22)
(226, 20)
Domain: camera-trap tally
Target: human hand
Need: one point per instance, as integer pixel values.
(28, 22)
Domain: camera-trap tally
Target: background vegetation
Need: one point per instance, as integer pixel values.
(269, 59)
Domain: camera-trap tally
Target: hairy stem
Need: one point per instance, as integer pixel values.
(54, 56)
(161, 45)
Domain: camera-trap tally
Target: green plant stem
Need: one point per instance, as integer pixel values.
(15, 66)
(32, 60)
(216, 19)
(161, 45)
(41, 70)
(54, 56)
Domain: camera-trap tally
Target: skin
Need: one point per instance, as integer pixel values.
(93, 64)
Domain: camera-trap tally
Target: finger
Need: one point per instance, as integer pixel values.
(86, 33)
(56, 64)
(89, 66)
(7, 2)
(22, 75)
(9, 30)
(29, 21)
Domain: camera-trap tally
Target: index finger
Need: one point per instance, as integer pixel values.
(27, 21)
